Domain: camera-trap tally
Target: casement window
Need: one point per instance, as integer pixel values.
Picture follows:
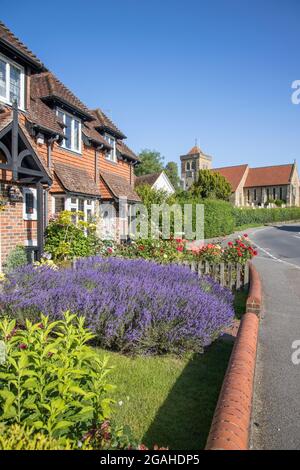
(281, 192)
(29, 204)
(274, 193)
(188, 166)
(255, 195)
(111, 154)
(11, 82)
(72, 131)
(74, 204)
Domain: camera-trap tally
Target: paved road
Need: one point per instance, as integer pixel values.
(276, 416)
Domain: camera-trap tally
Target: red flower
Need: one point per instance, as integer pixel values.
(141, 248)
(255, 253)
(178, 240)
(23, 346)
(245, 235)
(179, 248)
(230, 244)
(41, 326)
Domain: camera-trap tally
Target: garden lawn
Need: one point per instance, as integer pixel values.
(167, 400)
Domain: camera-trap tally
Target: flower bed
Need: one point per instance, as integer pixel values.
(131, 305)
(178, 249)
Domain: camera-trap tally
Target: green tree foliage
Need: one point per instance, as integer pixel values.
(151, 162)
(211, 185)
(171, 170)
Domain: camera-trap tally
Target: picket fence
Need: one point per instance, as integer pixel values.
(232, 275)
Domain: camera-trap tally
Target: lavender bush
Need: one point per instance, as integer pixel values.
(131, 305)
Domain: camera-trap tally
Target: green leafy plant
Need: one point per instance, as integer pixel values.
(16, 258)
(20, 437)
(69, 236)
(51, 380)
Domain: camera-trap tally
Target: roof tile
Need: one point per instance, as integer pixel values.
(119, 186)
(76, 180)
(269, 176)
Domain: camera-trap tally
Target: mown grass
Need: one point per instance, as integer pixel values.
(168, 400)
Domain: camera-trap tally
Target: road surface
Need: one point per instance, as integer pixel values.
(276, 410)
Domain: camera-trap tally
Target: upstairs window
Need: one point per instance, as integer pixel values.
(72, 131)
(111, 154)
(11, 82)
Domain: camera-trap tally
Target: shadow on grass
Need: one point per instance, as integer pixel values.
(183, 421)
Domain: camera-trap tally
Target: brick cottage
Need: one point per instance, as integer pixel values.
(55, 154)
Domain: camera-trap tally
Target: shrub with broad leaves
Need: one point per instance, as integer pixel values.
(130, 305)
(51, 381)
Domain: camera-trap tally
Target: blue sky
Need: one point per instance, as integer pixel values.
(170, 71)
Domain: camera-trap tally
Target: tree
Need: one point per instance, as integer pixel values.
(211, 185)
(171, 170)
(151, 162)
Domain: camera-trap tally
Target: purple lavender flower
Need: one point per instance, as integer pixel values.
(131, 305)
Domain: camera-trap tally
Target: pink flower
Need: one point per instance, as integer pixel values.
(23, 346)
(245, 235)
(109, 250)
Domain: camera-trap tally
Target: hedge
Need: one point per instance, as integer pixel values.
(218, 216)
(245, 216)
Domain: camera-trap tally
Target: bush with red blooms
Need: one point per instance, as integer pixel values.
(239, 251)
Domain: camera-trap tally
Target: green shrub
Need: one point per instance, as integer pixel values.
(218, 215)
(51, 380)
(248, 216)
(17, 437)
(67, 239)
(17, 257)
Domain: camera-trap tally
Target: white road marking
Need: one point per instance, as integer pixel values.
(274, 258)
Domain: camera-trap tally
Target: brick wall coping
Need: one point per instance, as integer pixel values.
(230, 426)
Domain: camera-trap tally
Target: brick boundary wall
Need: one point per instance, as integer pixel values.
(230, 426)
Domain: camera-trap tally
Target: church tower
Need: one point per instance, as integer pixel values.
(191, 163)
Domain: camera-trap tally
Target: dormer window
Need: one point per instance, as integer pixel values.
(11, 82)
(111, 154)
(72, 131)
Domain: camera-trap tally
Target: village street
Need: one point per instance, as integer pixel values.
(276, 407)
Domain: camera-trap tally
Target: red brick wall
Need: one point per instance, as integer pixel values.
(13, 229)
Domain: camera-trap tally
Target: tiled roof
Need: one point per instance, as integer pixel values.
(46, 85)
(5, 118)
(233, 174)
(269, 176)
(44, 116)
(126, 151)
(7, 37)
(89, 130)
(147, 179)
(103, 122)
(119, 186)
(76, 180)
(195, 150)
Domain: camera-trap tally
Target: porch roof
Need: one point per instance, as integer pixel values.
(76, 180)
(119, 187)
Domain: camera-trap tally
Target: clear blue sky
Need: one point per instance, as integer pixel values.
(169, 71)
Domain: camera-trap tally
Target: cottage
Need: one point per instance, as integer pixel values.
(55, 153)
(158, 181)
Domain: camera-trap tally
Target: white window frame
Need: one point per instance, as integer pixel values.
(73, 119)
(111, 155)
(6, 99)
(32, 216)
(74, 205)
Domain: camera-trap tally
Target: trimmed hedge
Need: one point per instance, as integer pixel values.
(244, 216)
(218, 217)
